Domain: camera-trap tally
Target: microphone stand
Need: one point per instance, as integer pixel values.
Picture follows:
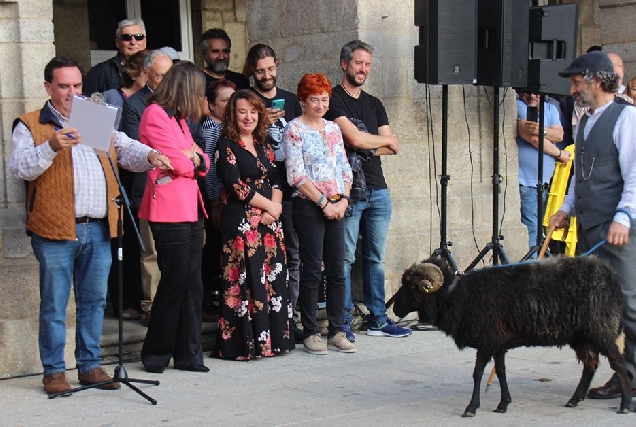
(120, 375)
(540, 185)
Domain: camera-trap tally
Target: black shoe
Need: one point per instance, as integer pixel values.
(298, 334)
(155, 369)
(194, 368)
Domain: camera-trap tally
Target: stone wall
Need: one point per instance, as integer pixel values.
(231, 15)
(309, 45)
(616, 31)
(26, 45)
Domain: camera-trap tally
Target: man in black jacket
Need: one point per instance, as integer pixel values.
(130, 38)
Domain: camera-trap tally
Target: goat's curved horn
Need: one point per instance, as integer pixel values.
(432, 277)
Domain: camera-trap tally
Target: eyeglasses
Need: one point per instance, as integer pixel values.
(219, 51)
(271, 70)
(129, 37)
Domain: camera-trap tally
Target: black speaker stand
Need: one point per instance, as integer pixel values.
(444, 244)
(498, 253)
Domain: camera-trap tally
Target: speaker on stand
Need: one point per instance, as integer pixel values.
(445, 55)
(552, 47)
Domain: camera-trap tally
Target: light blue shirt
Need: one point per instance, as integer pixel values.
(528, 154)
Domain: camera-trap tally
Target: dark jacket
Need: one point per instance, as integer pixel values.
(103, 76)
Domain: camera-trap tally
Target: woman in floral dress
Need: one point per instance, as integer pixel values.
(255, 311)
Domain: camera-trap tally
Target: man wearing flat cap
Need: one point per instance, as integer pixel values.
(602, 193)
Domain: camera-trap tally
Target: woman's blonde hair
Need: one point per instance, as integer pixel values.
(181, 90)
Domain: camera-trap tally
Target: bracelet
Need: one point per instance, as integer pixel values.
(347, 198)
(319, 202)
(560, 152)
(323, 207)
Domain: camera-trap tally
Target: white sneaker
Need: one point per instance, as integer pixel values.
(339, 342)
(313, 344)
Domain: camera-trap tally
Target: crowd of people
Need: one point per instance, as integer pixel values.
(238, 192)
(258, 195)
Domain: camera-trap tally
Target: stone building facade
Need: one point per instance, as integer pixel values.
(307, 37)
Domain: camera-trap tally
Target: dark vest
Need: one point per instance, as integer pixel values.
(599, 184)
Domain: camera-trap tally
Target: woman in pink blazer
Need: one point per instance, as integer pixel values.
(173, 206)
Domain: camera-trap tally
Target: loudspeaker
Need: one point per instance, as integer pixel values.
(446, 53)
(552, 40)
(502, 43)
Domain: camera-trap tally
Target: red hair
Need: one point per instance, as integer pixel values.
(313, 84)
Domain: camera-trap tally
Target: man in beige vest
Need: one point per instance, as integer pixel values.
(71, 216)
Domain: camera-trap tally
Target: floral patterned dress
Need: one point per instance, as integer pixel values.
(255, 310)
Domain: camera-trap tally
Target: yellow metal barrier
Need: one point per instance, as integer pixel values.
(555, 200)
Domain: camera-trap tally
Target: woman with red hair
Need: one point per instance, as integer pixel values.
(318, 170)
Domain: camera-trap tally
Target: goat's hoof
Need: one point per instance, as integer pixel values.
(468, 414)
(624, 410)
(500, 410)
(571, 404)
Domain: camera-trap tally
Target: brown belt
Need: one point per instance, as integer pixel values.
(87, 219)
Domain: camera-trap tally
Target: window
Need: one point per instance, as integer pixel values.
(168, 23)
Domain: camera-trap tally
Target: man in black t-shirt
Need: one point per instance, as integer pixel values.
(216, 47)
(371, 216)
(261, 65)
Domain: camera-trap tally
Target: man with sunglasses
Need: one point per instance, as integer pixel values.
(216, 47)
(130, 38)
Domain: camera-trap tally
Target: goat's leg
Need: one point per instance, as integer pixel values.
(478, 373)
(589, 359)
(500, 367)
(617, 363)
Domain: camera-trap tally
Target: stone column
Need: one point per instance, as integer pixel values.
(26, 45)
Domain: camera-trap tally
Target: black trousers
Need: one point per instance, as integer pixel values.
(175, 325)
(320, 240)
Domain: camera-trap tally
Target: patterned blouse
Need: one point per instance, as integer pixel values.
(316, 155)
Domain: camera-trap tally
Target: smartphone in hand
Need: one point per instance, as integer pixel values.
(278, 104)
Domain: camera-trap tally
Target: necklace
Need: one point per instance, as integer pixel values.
(350, 94)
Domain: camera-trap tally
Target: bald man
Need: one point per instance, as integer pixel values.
(619, 69)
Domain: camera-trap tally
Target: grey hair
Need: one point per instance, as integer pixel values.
(609, 81)
(152, 56)
(346, 53)
(128, 23)
(214, 33)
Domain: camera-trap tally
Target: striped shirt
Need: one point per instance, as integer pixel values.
(211, 132)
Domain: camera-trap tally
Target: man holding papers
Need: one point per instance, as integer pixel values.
(71, 216)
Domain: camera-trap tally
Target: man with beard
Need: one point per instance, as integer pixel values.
(261, 64)
(371, 216)
(130, 38)
(602, 193)
(216, 47)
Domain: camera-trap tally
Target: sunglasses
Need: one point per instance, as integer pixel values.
(129, 37)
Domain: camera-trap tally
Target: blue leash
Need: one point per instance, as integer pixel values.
(589, 252)
(602, 242)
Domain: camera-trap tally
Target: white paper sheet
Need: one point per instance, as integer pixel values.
(94, 122)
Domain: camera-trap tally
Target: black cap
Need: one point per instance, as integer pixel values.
(589, 62)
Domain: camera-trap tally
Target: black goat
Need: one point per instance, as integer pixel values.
(575, 301)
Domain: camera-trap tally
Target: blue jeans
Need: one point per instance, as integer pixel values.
(370, 219)
(85, 262)
(529, 207)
